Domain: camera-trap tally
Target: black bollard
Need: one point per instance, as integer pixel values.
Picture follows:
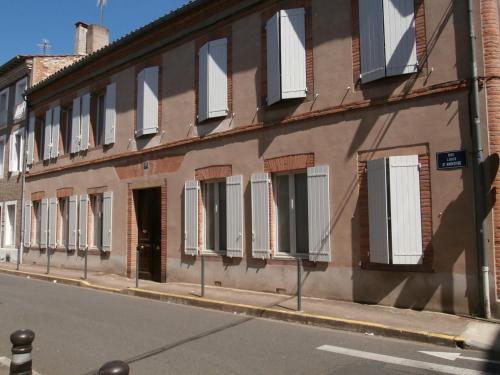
(114, 368)
(21, 352)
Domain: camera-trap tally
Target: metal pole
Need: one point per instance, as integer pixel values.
(21, 352)
(85, 264)
(20, 249)
(202, 276)
(114, 368)
(137, 268)
(477, 168)
(48, 260)
(299, 284)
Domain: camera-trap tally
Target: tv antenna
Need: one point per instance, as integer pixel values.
(44, 46)
(101, 4)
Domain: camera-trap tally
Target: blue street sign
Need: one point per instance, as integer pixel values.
(451, 159)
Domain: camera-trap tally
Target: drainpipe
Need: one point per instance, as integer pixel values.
(477, 165)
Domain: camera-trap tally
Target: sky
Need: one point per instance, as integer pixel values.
(25, 23)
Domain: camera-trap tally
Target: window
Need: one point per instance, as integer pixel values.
(9, 224)
(96, 224)
(394, 210)
(286, 56)
(99, 125)
(212, 91)
(387, 38)
(2, 155)
(16, 156)
(4, 107)
(147, 101)
(290, 198)
(80, 124)
(62, 223)
(214, 204)
(35, 223)
(66, 118)
(19, 103)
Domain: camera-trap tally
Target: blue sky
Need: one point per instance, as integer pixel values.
(26, 22)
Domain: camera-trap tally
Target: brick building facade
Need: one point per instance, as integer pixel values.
(257, 132)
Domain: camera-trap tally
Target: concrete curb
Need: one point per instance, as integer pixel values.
(263, 312)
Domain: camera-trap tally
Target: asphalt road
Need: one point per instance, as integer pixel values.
(77, 330)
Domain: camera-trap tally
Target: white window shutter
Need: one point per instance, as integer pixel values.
(75, 126)
(378, 216)
(147, 101)
(27, 224)
(234, 216)
(44, 223)
(406, 219)
(318, 196)
(371, 35)
(107, 222)
(400, 37)
(52, 222)
(56, 121)
(217, 78)
(273, 60)
(110, 117)
(293, 53)
(83, 221)
(72, 222)
(31, 140)
(84, 140)
(13, 157)
(47, 140)
(20, 103)
(260, 215)
(191, 189)
(203, 83)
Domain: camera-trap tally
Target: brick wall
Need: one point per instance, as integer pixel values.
(44, 66)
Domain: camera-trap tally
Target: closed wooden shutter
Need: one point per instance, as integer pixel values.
(234, 192)
(56, 120)
(13, 153)
(107, 221)
(52, 223)
(217, 78)
(31, 140)
(110, 118)
(273, 60)
(371, 35)
(378, 211)
(83, 221)
(75, 126)
(406, 219)
(27, 224)
(260, 215)
(191, 189)
(400, 37)
(147, 101)
(203, 83)
(44, 223)
(293, 53)
(72, 222)
(84, 140)
(318, 193)
(47, 143)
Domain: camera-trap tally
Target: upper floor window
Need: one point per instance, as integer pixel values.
(15, 151)
(98, 125)
(387, 38)
(80, 124)
(4, 107)
(2, 155)
(19, 103)
(51, 133)
(286, 55)
(147, 101)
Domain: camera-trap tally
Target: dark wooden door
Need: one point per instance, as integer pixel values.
(148, 211)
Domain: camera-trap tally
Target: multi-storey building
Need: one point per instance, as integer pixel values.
(15, 76)
(258, 132)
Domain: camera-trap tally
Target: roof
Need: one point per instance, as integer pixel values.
(133, 35)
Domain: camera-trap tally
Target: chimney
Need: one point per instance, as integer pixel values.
(81, 38)
(97, 38)
(90, 38)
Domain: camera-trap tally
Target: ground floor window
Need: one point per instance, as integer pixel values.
(214, 205)
(35, 223)
(62, 223)
(291, 213)
(9, 224)
(96, 229)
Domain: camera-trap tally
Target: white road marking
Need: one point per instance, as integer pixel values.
(445, 369)
(455, 356)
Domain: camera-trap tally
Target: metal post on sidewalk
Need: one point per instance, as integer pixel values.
(299, 284)
(114, 368)
(21, 352)
(202, 276)
(137, 267)
(85, 264)
(48, 260)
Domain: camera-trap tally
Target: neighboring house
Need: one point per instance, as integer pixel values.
(256, 133)
(16, 76)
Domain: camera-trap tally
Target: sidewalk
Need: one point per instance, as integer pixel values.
(423, 326)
